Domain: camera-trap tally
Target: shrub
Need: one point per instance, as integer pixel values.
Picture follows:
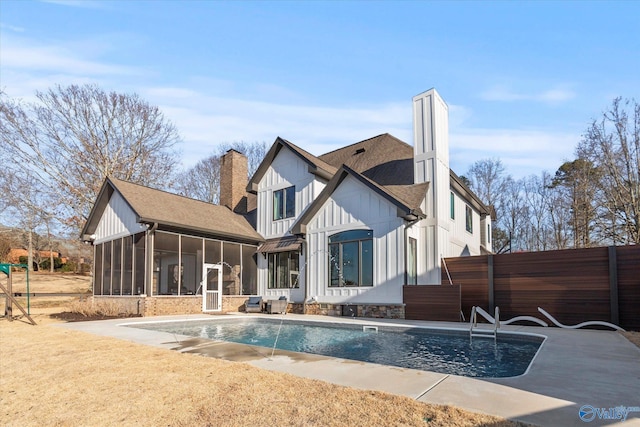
(69, 267)
(57, 263)
(90, 307)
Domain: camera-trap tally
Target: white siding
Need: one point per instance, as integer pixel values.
(286, 170)
(463, 243)
(354, 206)
(117, 220)
(431, 164)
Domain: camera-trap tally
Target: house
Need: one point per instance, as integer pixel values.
(340, 233)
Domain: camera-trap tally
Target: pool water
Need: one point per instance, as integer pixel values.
(443, 351)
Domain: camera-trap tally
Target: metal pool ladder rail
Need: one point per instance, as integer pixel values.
(474, 331)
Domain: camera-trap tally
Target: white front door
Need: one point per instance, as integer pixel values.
(212, 284)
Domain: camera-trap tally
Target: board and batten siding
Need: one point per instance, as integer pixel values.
(286, 170)
(463, 243)
(353, 206)
(118, 220)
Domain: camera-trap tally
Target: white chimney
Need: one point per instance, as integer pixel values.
(431, 164)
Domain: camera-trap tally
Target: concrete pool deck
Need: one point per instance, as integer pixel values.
(574, 368)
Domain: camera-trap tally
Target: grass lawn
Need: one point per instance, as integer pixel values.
(56, 377)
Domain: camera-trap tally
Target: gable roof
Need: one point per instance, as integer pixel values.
(316, 166)
(407, 199)
(384, 159)
(389, 162)
(172, 211)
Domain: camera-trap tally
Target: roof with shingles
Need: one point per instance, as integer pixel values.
(384, 159)
(174, 211)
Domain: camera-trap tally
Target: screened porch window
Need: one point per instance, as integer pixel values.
(120, 266)
(351, 258)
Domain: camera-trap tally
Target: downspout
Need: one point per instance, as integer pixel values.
(306, 277)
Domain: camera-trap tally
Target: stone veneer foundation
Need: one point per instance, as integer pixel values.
(167, 305)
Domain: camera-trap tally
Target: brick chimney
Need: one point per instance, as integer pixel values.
(233, 181)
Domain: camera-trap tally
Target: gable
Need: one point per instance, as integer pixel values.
(314, 165)
(402, 208)
(351, 203)
(117, 220)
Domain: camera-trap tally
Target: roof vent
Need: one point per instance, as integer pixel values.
(360, 151)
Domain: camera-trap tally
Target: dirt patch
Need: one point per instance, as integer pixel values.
(69, 316)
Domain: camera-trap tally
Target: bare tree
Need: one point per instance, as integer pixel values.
(516, 214)
(202, 181)
(558, 213)
(579, 179)
(487, 178)
(612, 144)
(75, 136)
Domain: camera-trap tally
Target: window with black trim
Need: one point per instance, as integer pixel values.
(284, 203)
(351, 258)
(412, 262)
(284, 270)
(469, 219)
(452, 206)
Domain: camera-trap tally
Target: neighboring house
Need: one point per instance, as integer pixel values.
(338, 233)
(16, 253)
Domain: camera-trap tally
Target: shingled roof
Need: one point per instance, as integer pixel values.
(384, 159)
(173, 211)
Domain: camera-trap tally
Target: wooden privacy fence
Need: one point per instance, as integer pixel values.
(574, 285)
(432, 302)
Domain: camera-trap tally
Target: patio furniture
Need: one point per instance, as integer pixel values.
(277, 305)
(253, 305)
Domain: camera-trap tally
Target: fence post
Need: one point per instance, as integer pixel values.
(613, 285)
(490, 283)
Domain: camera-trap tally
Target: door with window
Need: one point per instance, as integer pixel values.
(212, 284)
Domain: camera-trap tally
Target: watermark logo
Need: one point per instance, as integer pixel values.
(588, 413)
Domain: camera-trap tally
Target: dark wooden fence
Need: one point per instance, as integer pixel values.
(432, 302)
(574, 285)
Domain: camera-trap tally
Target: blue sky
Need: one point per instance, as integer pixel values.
(522, 79)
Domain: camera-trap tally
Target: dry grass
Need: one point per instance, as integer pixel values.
(57, 377)
(634, 337)
(48, 282)
(90, 308)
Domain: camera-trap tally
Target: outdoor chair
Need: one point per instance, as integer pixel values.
(253, 305)
(277, 305)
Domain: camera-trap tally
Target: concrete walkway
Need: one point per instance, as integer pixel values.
(588, 369)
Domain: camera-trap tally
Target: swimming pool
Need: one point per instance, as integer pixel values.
(436, 350)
